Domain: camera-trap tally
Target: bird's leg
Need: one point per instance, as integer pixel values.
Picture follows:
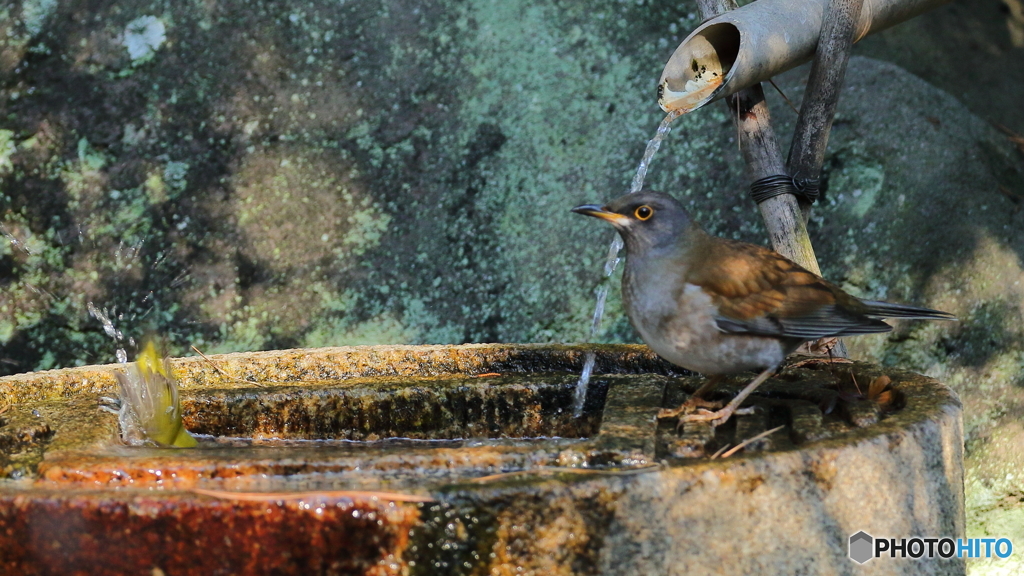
(719, 417)
(696, 400)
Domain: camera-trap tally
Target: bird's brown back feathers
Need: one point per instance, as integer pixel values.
(758, 291)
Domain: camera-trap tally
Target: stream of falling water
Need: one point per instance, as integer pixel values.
(612, 262)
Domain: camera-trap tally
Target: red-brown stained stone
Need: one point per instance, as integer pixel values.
(95, 534)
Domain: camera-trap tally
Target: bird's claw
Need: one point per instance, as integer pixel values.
(691, 405)
(697, 409)
(715, 418)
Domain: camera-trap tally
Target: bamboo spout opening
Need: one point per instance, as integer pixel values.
(699, 67)
(742, 47)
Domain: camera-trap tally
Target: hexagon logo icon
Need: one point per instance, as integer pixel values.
(861, 547)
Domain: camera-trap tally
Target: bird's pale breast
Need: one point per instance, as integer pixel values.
(679, 325)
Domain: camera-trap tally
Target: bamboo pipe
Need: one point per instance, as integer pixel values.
(740, 48)
(810, 136)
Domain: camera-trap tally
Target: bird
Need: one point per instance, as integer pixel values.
(148, 407)
(718, 306)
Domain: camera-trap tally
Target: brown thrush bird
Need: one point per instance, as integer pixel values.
(719, 306)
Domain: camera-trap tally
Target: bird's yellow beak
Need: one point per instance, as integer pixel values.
(599, 212)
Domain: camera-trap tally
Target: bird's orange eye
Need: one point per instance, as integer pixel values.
(644, 212)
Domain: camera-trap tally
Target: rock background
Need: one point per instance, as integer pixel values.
(244, 175)
(308, 173)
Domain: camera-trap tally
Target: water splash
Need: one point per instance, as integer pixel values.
(612, 262)
(119, 260)
(147, 405)
(15, 242)
(104, 316)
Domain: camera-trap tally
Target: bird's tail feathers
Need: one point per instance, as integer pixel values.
(890, 310)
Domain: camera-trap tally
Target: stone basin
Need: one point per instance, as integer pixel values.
(467, 460)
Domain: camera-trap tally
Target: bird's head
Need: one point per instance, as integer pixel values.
(644, 219)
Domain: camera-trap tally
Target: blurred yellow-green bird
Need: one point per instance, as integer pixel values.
(150, 410)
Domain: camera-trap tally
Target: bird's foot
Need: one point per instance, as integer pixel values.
(716, 417)
(112, 405)
(693, 404)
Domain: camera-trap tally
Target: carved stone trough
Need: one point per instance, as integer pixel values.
(467, 460)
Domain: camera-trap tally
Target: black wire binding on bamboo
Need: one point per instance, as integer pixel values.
(806, 189)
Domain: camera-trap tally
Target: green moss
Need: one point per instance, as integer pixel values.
(7, 148)
(858, 181)
(34, 14)
(991, 514)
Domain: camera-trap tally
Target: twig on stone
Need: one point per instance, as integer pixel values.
(825, 360)
(325, 495)
(225, 374)
(855, 384)
(751, 440)
(551, 470)
(719, 451)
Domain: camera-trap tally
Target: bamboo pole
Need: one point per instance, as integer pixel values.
(817, 111)
(810, 138)
(782, 216)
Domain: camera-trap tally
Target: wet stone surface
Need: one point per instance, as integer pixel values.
(395, 426)
(467, 458)
(817, 400)
(520, 406)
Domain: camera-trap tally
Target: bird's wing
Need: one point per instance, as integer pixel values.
(758, 291)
